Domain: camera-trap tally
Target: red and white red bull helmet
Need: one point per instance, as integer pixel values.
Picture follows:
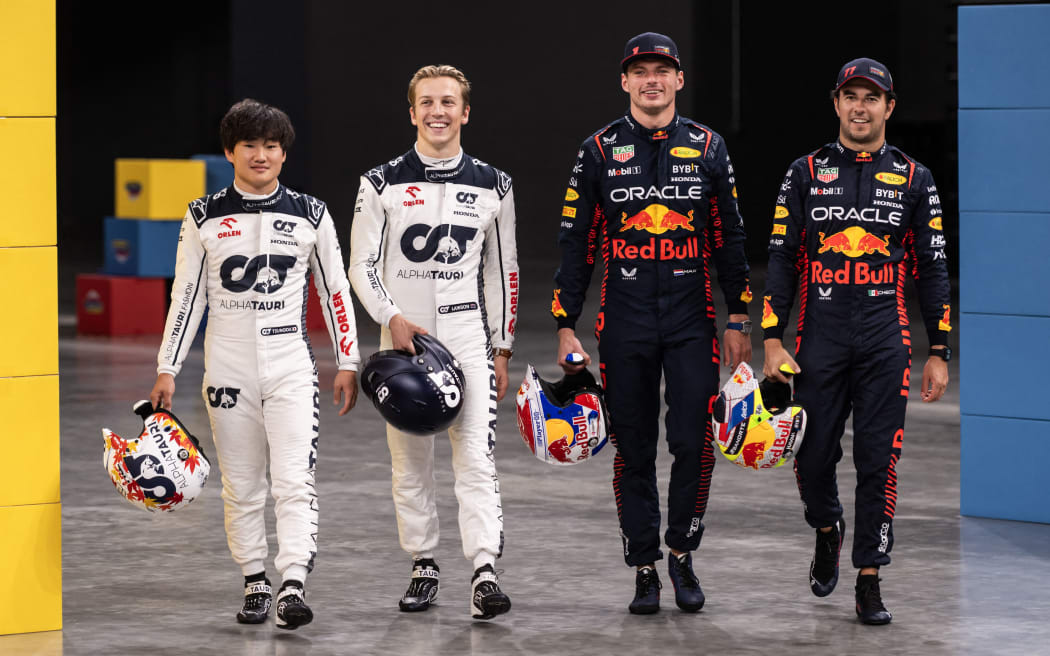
(756, 425)
(163, 468)
(562, 423)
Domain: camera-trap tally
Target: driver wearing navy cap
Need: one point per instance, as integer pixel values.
(654, 194)
(853, 219)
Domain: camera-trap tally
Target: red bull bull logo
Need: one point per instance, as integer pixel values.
(657, 219)
(945, 322)
(562, 438)
(753, 453)
(854, 241)
(769, 319)
(556, 308)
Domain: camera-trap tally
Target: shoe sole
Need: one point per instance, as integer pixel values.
(493, 608)
(874, 622)
(296, 619)
(644, 610)
(418, 606)
(413, 608)
(252, 620)
(690, 608)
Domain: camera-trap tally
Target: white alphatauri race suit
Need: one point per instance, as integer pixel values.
(248, 259)
(434, 241)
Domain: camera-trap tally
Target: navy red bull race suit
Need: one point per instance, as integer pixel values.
(657, 205)
(848, 228)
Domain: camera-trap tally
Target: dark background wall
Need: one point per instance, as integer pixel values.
(546, 75)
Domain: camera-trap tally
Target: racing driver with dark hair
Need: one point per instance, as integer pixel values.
(246, 254)
(654, 194)
(853, 219)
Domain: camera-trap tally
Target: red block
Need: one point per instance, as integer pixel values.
(120, 305)
(314, 317)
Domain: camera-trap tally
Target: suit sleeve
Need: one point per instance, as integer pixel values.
(726, 236)
(929, 263)
(368, 233)
(582, 221)
(786, 243)
(189, 297)
(333, 290)
(501, 274)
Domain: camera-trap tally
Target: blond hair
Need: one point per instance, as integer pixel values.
(442, 70)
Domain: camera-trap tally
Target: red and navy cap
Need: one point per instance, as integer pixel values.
(868, 69)
(650, 44)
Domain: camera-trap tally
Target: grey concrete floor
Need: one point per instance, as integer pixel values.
(139, 583)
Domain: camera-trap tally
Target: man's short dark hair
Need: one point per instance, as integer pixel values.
(250, 119)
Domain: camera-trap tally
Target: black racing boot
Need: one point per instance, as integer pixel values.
(423, 588)
(646, 592)
(292, 611)
(869, 600)
(486, 599)
(687, 592)
(257, 598)
(824, 568)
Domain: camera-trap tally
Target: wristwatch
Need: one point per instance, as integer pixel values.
(505, 352)
(942, 353)
(743, 326)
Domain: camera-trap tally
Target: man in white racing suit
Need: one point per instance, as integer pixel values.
(433, 251)
(247, 254)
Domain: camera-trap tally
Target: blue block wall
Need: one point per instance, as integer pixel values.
(144, 248)
(1004, 260)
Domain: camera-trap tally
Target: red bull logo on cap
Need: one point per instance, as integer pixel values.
(854, 241)
(657, 219)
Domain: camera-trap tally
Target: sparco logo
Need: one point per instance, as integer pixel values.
(223, 397)
(444, 243)
(624, 194)
(239, 274)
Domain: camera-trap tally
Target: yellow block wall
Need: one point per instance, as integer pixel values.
(30, 499)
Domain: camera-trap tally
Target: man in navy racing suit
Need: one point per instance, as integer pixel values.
(654, 194)
(853, 219)
(247, 254)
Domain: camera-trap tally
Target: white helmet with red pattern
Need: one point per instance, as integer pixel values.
(562, 423)
(163, 468)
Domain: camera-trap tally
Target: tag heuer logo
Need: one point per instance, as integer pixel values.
(828, 174)
(623, 153)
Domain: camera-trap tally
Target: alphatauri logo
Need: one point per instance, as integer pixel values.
(443, 243)
(263, 273)
(223, 397)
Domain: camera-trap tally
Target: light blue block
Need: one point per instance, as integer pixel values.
(1003, 261)
(140, 247)
(218, 172)
(1004, 159)
(1003, 364)
(1004, 483)
(1002, 56)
